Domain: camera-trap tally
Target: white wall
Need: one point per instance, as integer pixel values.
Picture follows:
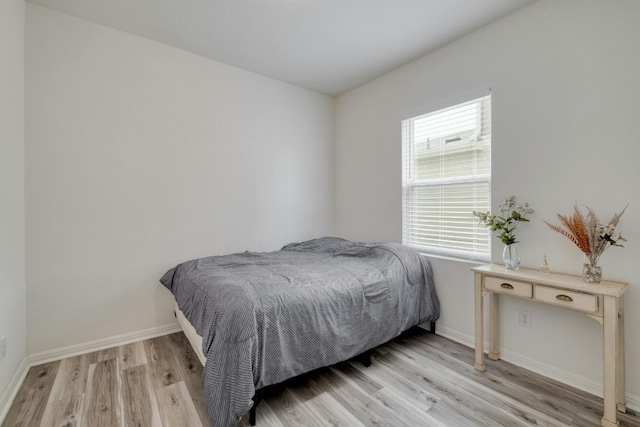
(140, 156)
(12, 238)
(564, 78)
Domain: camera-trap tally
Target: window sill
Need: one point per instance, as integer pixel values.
(454, 258)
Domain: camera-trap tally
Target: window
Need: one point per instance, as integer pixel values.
(446, 176)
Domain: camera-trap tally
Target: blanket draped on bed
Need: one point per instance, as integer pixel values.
(267, 317)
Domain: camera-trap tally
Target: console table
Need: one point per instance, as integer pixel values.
(601, 301)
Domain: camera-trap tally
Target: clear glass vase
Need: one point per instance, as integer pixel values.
(511, 256)
(591, 273)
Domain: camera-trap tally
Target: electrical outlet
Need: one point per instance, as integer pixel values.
(525, 318)
(3, 347)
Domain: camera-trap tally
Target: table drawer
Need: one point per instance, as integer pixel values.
(569, 299)
(510, 287)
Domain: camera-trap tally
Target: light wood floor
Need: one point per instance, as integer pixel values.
(418, 379)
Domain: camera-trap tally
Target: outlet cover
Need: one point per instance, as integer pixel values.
(525, 318)
(3, 347)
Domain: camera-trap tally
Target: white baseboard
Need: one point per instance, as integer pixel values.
(633, 401)
(101, 344)
(74, 350)
(581, 383)
(10, 393)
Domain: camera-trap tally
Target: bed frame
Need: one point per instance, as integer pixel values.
(196, 342)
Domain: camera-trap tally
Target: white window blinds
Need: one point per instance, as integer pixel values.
(447, 176)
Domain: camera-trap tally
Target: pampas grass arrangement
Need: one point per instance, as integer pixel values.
(588, 233)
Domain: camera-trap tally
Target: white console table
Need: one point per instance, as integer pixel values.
(601, 301)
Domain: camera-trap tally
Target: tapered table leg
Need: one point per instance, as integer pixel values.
(494, 324)
(620, 398)
(479, 364)
(611, 346)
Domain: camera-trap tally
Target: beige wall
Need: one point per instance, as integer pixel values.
(12, 238)
(565, 90)
(140, 156)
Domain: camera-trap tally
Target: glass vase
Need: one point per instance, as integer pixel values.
(591, 273)
(511, 256)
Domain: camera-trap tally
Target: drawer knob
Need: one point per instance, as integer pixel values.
(506, 286)
(562, 297)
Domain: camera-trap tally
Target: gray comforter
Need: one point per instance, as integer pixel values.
(267, 317)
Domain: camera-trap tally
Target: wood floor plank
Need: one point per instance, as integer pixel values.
(430, 350)
(71, 378)
(140, 406)
(163, 367)
(102, 355)
(449, 415)
(405, 413)
(506, 404)
(103, 407)
(176, 406)
(190, 370)
(418, 392)
(360, 377)
(331, 413)
(31, 400)
(303, 387)
(66, 412)
(131, 355)
(354, 399)
(291, 410)
(416, 363)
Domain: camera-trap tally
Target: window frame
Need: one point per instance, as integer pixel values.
(407, 185)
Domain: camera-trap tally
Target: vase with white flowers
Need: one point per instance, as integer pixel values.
(511, 214)
(591, 236)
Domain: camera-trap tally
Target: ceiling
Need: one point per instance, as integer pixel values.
(330, 46)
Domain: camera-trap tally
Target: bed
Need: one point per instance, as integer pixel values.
(258, 319)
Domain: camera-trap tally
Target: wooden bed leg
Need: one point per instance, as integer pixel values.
(432, 327)
(252, 412)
